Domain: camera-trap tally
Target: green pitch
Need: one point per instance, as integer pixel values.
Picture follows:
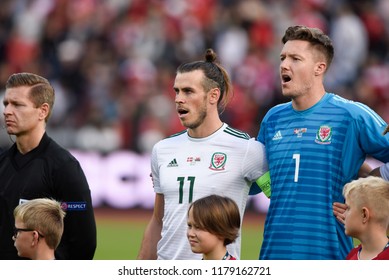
(120, 240)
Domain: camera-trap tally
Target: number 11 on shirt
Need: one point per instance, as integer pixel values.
(191, 179)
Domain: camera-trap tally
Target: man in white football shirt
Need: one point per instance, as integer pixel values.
(208, 158)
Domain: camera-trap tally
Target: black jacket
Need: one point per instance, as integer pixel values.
(47, 171)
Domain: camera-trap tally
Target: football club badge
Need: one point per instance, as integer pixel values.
(323, 135)
(218, 161)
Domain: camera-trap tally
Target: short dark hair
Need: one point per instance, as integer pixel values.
(218, 215)
(215, 76)
(314, 36)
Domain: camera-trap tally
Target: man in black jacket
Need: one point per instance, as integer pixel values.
(36, 166)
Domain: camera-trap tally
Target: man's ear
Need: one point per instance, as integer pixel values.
(44, 111)
(214, 95)
(320, 68)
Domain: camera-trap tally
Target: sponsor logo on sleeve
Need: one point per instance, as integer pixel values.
(22, 200)
(74, 206)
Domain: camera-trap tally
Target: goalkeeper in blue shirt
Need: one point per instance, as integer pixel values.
(315, 144)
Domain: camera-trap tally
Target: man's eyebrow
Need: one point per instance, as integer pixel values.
(187, 88)
(291, 54)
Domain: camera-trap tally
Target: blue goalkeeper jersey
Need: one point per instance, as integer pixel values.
(312, 154)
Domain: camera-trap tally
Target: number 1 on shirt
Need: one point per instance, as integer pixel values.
(296, 171)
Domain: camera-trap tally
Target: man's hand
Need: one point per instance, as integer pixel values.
(339, 209)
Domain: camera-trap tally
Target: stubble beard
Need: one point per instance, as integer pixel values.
(202, 114)
(289, 92)
(294, 93)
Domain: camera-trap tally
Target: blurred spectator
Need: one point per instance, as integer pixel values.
(112, 62)
(350, 41)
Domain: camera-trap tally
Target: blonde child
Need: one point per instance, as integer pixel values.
(38, 228)
(213, 223)
(367, 217)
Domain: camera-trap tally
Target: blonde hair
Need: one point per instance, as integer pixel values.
(44, 215)
(371, 192)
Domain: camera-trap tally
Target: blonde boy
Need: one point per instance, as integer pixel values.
(38, 228)
(367, 217)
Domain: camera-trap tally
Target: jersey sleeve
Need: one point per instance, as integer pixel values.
(261, 133)
(79, 226)
(155, 170)
(255, 163)
(262, 184)
(363, 138)
(370, 127)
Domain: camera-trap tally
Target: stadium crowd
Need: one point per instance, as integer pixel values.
(112, 62)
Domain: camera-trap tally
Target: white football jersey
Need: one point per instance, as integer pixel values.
(185, 169)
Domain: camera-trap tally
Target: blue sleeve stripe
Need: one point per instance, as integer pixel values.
(374, 115)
